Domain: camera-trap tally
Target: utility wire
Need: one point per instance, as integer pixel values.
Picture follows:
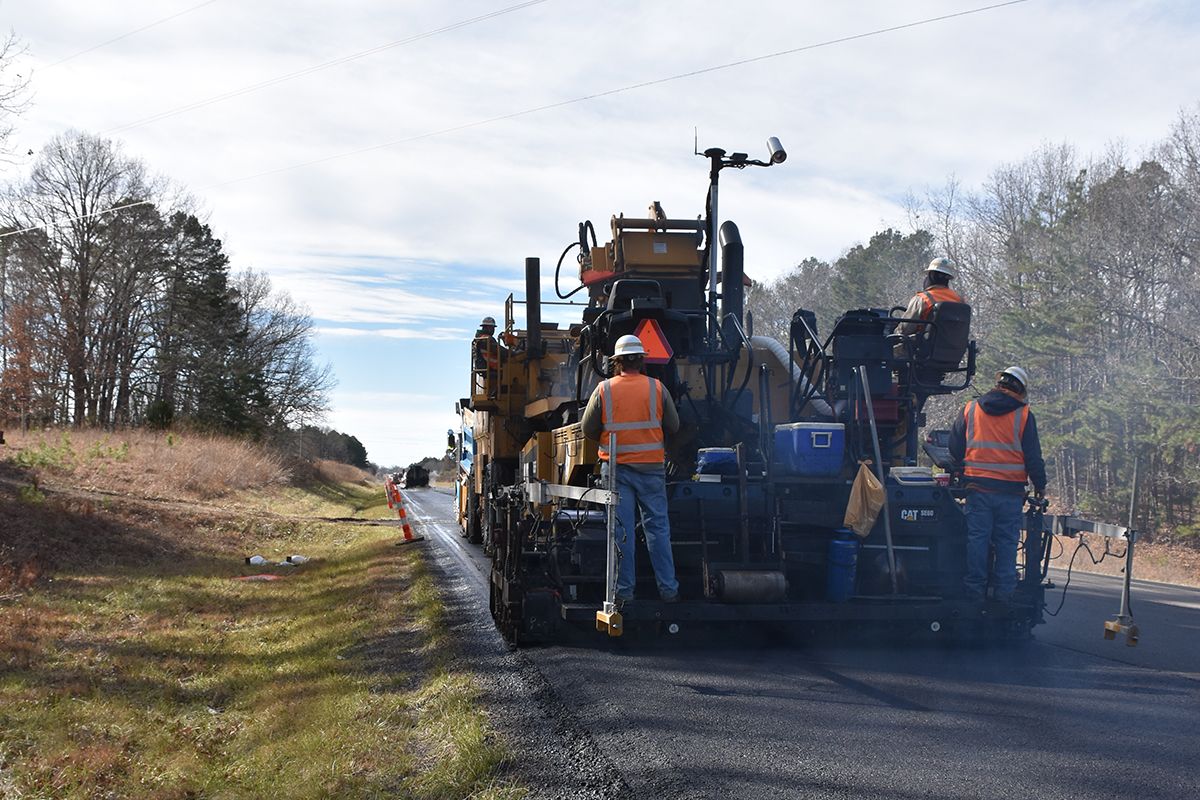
(79, 218)
(620, 90)
(177, 14)
(562, 103)
(254, 87)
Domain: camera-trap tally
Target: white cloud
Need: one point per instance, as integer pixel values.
(417, 241)
(397, 428)
(430, 334)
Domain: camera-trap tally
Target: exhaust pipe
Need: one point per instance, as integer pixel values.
(733, 293)
(533, 306)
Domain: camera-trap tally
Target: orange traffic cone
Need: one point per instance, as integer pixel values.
(408, 534)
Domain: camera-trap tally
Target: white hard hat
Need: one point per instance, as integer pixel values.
(629, 345)
(1017, 374)
(487, 321)
(942, 265)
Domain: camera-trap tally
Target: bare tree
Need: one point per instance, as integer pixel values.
(279, 345)
(14, 89)
(75, 182)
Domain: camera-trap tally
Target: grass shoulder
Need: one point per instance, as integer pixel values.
(136, 661)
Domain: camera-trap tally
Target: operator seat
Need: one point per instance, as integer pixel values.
(938, 348)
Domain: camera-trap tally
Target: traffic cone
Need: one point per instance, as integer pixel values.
(388, 487)
(408, 534)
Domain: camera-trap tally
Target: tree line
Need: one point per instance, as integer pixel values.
(118, 306)
(1083, 271)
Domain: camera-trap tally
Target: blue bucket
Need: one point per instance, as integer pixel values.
(842, 567)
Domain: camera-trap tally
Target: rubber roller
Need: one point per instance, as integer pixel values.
(751, 586)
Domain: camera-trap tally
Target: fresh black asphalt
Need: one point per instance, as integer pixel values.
(761, 714)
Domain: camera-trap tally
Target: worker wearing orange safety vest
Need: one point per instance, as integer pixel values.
(937, 289)
(995, 445)
(486, 358)
(638, 409)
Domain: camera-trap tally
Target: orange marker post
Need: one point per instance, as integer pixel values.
(408, 534)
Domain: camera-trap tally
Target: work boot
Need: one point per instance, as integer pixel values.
(1006, 602)
(673, 597)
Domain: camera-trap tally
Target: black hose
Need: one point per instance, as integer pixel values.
(558, 268)
(1082, 546)
(745, 381)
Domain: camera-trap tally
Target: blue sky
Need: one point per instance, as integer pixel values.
(399, 249)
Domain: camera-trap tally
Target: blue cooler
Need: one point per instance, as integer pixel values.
(810, 449)
(716, 461)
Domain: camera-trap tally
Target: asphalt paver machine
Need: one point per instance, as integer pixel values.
(773, 436)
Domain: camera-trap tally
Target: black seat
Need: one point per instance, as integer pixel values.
(635, 293)
(939, 346)
(942, 343)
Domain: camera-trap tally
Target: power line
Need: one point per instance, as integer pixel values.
(619, 90)
(131, 33)
(79, 218)
(254, 87)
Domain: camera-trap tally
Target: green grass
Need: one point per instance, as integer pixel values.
(175, 680)
(325, 500)
(103, 450)
(58, 456)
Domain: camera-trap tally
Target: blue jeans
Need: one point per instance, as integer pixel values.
(646, 491)
(993, 518)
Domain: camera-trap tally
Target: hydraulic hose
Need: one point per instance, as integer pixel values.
(585, 230)
(558, 269)
(779, 351)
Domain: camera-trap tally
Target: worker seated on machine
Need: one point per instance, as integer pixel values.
(935, 330)
(485, 360)
(937, 289)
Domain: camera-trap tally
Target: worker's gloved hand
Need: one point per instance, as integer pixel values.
(1039, 496)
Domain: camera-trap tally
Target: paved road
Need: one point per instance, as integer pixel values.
(1069, 715)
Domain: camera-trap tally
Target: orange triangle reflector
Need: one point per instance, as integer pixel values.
(658, 349)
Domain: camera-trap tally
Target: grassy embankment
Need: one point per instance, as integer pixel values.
(134, 664)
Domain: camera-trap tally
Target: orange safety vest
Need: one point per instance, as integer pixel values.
(632, 407)
(938, 294)
(994, 444)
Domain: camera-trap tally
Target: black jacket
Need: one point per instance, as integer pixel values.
(996, 403)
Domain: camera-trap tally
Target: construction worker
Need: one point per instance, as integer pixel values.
(995, 443)
(937, 289)
(638, 410)
(486, 362)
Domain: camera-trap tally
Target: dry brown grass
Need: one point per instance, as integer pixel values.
(148, 463)
(337, 472)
